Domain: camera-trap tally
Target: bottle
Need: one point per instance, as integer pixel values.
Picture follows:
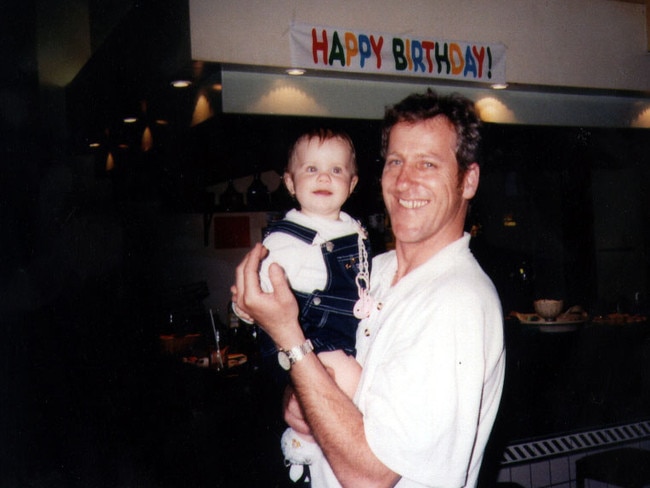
(231, 200)
(217, 360)
(171, 325)
(257, 195)
(235, 339)
(281, 200)
(243, 344)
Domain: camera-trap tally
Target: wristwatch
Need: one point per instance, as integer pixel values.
(293, 355)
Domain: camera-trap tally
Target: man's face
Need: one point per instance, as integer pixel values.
(426, 200)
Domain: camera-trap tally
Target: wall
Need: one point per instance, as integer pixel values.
(269, 93)
(578, 43)
(63, 40)
(184, 259)
(618, 196)
(557, 54)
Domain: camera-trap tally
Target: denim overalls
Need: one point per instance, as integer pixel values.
(326, 315)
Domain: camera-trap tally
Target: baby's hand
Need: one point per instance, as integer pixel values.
(243, 316)
(293, 415)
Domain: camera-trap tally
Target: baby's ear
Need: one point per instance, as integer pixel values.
(353, 183)
(288, 182)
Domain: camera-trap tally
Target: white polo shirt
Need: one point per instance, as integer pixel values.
(433, 367)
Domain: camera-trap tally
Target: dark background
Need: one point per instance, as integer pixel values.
(87, 398)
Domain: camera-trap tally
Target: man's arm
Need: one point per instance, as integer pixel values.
(336, 423)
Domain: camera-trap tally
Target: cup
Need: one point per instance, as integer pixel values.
(218, 357)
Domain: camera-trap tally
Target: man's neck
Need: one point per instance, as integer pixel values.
(412, 255)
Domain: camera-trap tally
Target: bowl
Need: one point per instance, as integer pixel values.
(548, 309)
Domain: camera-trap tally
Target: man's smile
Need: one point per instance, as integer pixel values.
(413, 203)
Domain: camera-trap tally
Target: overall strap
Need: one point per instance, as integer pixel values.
(296, 230)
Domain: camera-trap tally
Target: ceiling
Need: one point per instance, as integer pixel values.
(136, 64)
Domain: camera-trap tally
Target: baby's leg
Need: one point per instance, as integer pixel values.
(301, 448)
(345, 370)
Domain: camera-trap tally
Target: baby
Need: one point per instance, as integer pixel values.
(324, 253)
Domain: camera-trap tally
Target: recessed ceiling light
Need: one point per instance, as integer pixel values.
(499, 86)
(509, 220)
(295, 71)
(181, 83)
(130, 120)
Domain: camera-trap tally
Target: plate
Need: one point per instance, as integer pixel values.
(558, 325)
(236, 360)
(619, 319)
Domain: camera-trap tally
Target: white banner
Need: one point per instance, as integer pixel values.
(331, 48)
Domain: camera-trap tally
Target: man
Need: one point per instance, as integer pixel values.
(432, 349)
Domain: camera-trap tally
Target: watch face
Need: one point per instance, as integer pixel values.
(283, 359)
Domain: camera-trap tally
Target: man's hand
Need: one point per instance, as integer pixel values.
(276, 312)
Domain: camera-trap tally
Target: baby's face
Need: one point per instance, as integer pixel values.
(321, 176)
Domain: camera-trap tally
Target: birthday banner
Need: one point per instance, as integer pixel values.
(331, 48)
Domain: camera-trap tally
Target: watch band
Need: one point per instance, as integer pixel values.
(295, 354)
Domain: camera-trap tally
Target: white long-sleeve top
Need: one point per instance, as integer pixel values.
(302, 262)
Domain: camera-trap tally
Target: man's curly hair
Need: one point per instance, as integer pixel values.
(457, 109)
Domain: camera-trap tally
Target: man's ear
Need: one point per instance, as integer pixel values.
(288, 182)
(470, 181)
